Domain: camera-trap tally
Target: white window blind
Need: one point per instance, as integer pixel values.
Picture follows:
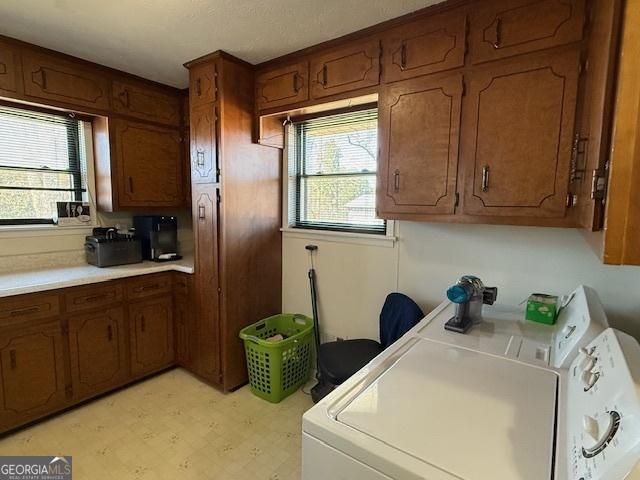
(41, 163)
(332, 173)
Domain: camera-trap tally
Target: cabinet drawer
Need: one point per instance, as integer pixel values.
(283, 86)
(55, 79)
(149, 285)
(346, 69)
(8, 62)
(203, 84)
(21, 308)
(93, 296)
(507, 27)
(430, 45)
(145, 103)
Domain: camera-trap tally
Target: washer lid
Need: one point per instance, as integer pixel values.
(474, 415)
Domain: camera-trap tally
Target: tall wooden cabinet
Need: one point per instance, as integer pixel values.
(236, 216)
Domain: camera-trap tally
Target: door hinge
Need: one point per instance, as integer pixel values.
(599, 184)
(218, 198)
(572, 199)
(578, 150)
(457, 200)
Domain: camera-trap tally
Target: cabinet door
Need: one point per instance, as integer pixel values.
(517, 136)
(419, 125)
(97, 348)
(203, 84)
(430, 45)
(346, 69)
(151, 333)
(55, 79)
(145, 103)
(507, 27)
(149, 165)
(8, 62)
(205, 218)
(283, 86)
(32, 380)
(204, 145)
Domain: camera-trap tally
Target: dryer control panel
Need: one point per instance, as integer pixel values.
(604, 409)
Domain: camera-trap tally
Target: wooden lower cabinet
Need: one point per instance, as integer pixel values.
(151, 335)
(97, 347)
(32, 372)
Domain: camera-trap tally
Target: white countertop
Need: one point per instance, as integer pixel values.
(17, 283)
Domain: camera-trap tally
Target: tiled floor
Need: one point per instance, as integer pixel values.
(172, 426)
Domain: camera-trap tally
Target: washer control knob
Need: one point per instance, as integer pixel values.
(589, 379)
(599, 432)
(587, 361)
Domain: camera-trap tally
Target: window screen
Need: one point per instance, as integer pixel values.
(41, 163)
(332, 173)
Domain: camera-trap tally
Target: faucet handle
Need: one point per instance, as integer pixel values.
(489, 295)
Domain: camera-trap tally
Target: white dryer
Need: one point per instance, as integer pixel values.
(448, 408)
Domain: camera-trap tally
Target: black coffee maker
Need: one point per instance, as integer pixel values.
(158, 235)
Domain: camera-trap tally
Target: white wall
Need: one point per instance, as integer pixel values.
(354, 279)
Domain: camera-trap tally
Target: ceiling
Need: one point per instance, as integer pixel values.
(153, 38)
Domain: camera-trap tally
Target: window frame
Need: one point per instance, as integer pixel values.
(318, 227)
(74, 132)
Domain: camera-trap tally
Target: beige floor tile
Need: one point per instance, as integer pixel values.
(173, 427)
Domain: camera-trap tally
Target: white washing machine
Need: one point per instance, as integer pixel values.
(472, 407)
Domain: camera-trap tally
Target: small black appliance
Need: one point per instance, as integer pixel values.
(158, 235)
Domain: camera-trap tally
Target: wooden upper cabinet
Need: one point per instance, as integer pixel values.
(344, 69)
(32, 378)
(203, 84)
(430, 45)
(97, 343)
(151, 333)
(145, 103)
(282, 86)
(517, 136)
(507, 27)
(419, 125)
(8, 67)
(149, 165)
(204, 149)
(52, 78)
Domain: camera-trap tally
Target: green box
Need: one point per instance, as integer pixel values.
(542, 308)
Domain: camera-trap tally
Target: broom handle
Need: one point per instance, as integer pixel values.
(314, 306)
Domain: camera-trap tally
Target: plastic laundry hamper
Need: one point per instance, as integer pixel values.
(277, 369)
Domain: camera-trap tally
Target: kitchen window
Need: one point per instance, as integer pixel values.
(42, 161)
(332, 163)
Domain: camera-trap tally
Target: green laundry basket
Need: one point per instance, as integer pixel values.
(277, 369)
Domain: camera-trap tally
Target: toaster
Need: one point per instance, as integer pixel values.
(105, 247)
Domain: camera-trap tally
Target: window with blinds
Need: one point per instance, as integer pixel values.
(332, 173)
(41, 163)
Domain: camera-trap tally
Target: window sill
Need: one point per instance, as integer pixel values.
(34, 230)
(341, 237)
